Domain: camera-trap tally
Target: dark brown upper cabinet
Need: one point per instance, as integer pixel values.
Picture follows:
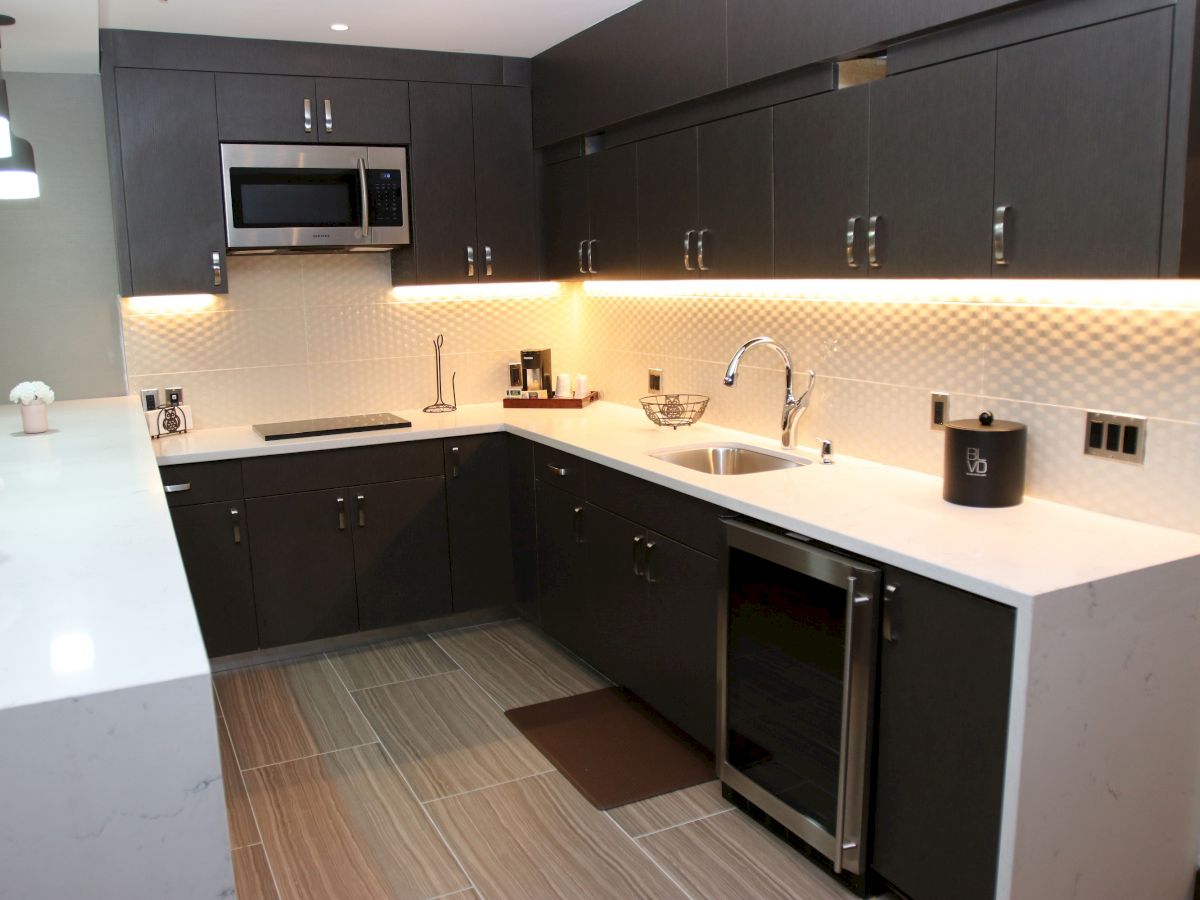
(1080, 149)
(590, 215)
(704, 200)
(173, 220)
(472, 184)
(291, 109)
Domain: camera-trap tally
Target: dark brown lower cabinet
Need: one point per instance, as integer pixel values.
(304, 585)
(563, 533)
(523, 523)
(401, 552)
(214, 543)
(944, 683)
(478, 504)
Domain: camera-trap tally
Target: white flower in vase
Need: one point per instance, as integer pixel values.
(29, 392)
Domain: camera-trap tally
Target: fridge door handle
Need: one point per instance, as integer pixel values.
(852, 762)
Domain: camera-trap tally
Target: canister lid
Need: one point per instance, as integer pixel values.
(985, 423)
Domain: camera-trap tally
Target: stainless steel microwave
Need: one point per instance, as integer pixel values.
(292, 197)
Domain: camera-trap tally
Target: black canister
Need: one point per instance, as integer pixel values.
(984, 462)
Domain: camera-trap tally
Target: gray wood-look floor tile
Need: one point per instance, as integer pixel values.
(729, 857)
(447, 736)
(345, 825)
(390, 662)
(281, 712)
(252, 874)
(242, 830)
(669, 810)
(517, 664)
(538, 838)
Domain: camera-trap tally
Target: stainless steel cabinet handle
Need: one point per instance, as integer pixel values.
(218, 275)
(1000, 235)
(177, 488)
(557, 470)
(852, 241)
(650, 579)
(873, 229)
(487, 261)
(470, 261)
(307, 116)
(341, 505)
(700, 250)
(236, 518)
(455, 454)
(889, 627)
(578, 513)
(687, 250)
(328, 116)
(362, 510)
(637, 562)
(362, 197)
(582, 268)
(591, 257)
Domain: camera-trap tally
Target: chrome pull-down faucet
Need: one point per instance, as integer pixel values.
(793, 406)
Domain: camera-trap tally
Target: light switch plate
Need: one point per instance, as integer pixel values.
(939, 410)
(654, 382)
(1115, 436)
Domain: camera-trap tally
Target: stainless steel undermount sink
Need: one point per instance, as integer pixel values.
(729, 459)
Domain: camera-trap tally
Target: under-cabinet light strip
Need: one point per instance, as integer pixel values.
(528, 290)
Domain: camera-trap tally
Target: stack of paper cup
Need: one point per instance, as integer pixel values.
(581, 386)
(562, 386)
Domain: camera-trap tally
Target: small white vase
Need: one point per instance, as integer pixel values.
(33, 417)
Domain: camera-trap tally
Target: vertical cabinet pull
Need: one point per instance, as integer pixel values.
(700, 250)
(582, 268)
(362, 510)
(307, 116)
(591, 257)
(341, 507)
(890, 634)
(687, 250)
(650, 579)
(1000, 235)
(487, 260)
(470, 260)
(235, 517)
(637, 563)
(217, 273)
(455, 455)
(328, 116)
(578, 519)
(874, 230)
(852, 241)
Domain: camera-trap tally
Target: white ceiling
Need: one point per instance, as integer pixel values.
(60, 35)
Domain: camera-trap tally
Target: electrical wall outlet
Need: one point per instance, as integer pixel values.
(655, 381)
(1115, 436)
(939, 410)
(174, 396)
(150, 399)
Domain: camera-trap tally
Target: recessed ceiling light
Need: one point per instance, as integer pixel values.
(339, 26)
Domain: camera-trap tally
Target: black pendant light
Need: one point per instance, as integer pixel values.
(18, 173)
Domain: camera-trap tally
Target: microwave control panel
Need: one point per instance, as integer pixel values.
(385, 192)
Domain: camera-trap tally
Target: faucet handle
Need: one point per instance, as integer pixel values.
(826, 452)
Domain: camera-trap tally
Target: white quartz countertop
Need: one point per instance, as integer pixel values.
(892, 515)
(93, 595)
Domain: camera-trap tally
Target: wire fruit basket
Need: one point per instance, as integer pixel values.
(674, 409)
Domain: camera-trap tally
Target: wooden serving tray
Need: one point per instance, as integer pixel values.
(556, 403)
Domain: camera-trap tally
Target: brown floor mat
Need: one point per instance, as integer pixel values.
(612, 747)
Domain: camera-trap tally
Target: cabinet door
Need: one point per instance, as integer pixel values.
(674, 638)
(504, 197)
(735, 197)
(214, 543)
(361, 111)
(303, 566)
(563, 536)
(616, 550)
(175, 217)
(612, 203)
(945, 674)
(932, 151)
(565, 217)
(523, 520)
(668, 203)
(267, 108)
(477, 496)
(821, 165)
(1080, 143)
(442, 160)
(401, 552)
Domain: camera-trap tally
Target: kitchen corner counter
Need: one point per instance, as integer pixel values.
(892, 515)
(111, 769)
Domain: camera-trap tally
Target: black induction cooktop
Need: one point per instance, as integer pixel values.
(278, 431)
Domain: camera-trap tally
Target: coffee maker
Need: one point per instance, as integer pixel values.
(535, 372)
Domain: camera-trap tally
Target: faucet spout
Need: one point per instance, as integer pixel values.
(793, 407)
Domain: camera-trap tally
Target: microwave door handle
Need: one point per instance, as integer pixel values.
(362, 196)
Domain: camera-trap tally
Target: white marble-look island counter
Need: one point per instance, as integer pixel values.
(110, 778)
